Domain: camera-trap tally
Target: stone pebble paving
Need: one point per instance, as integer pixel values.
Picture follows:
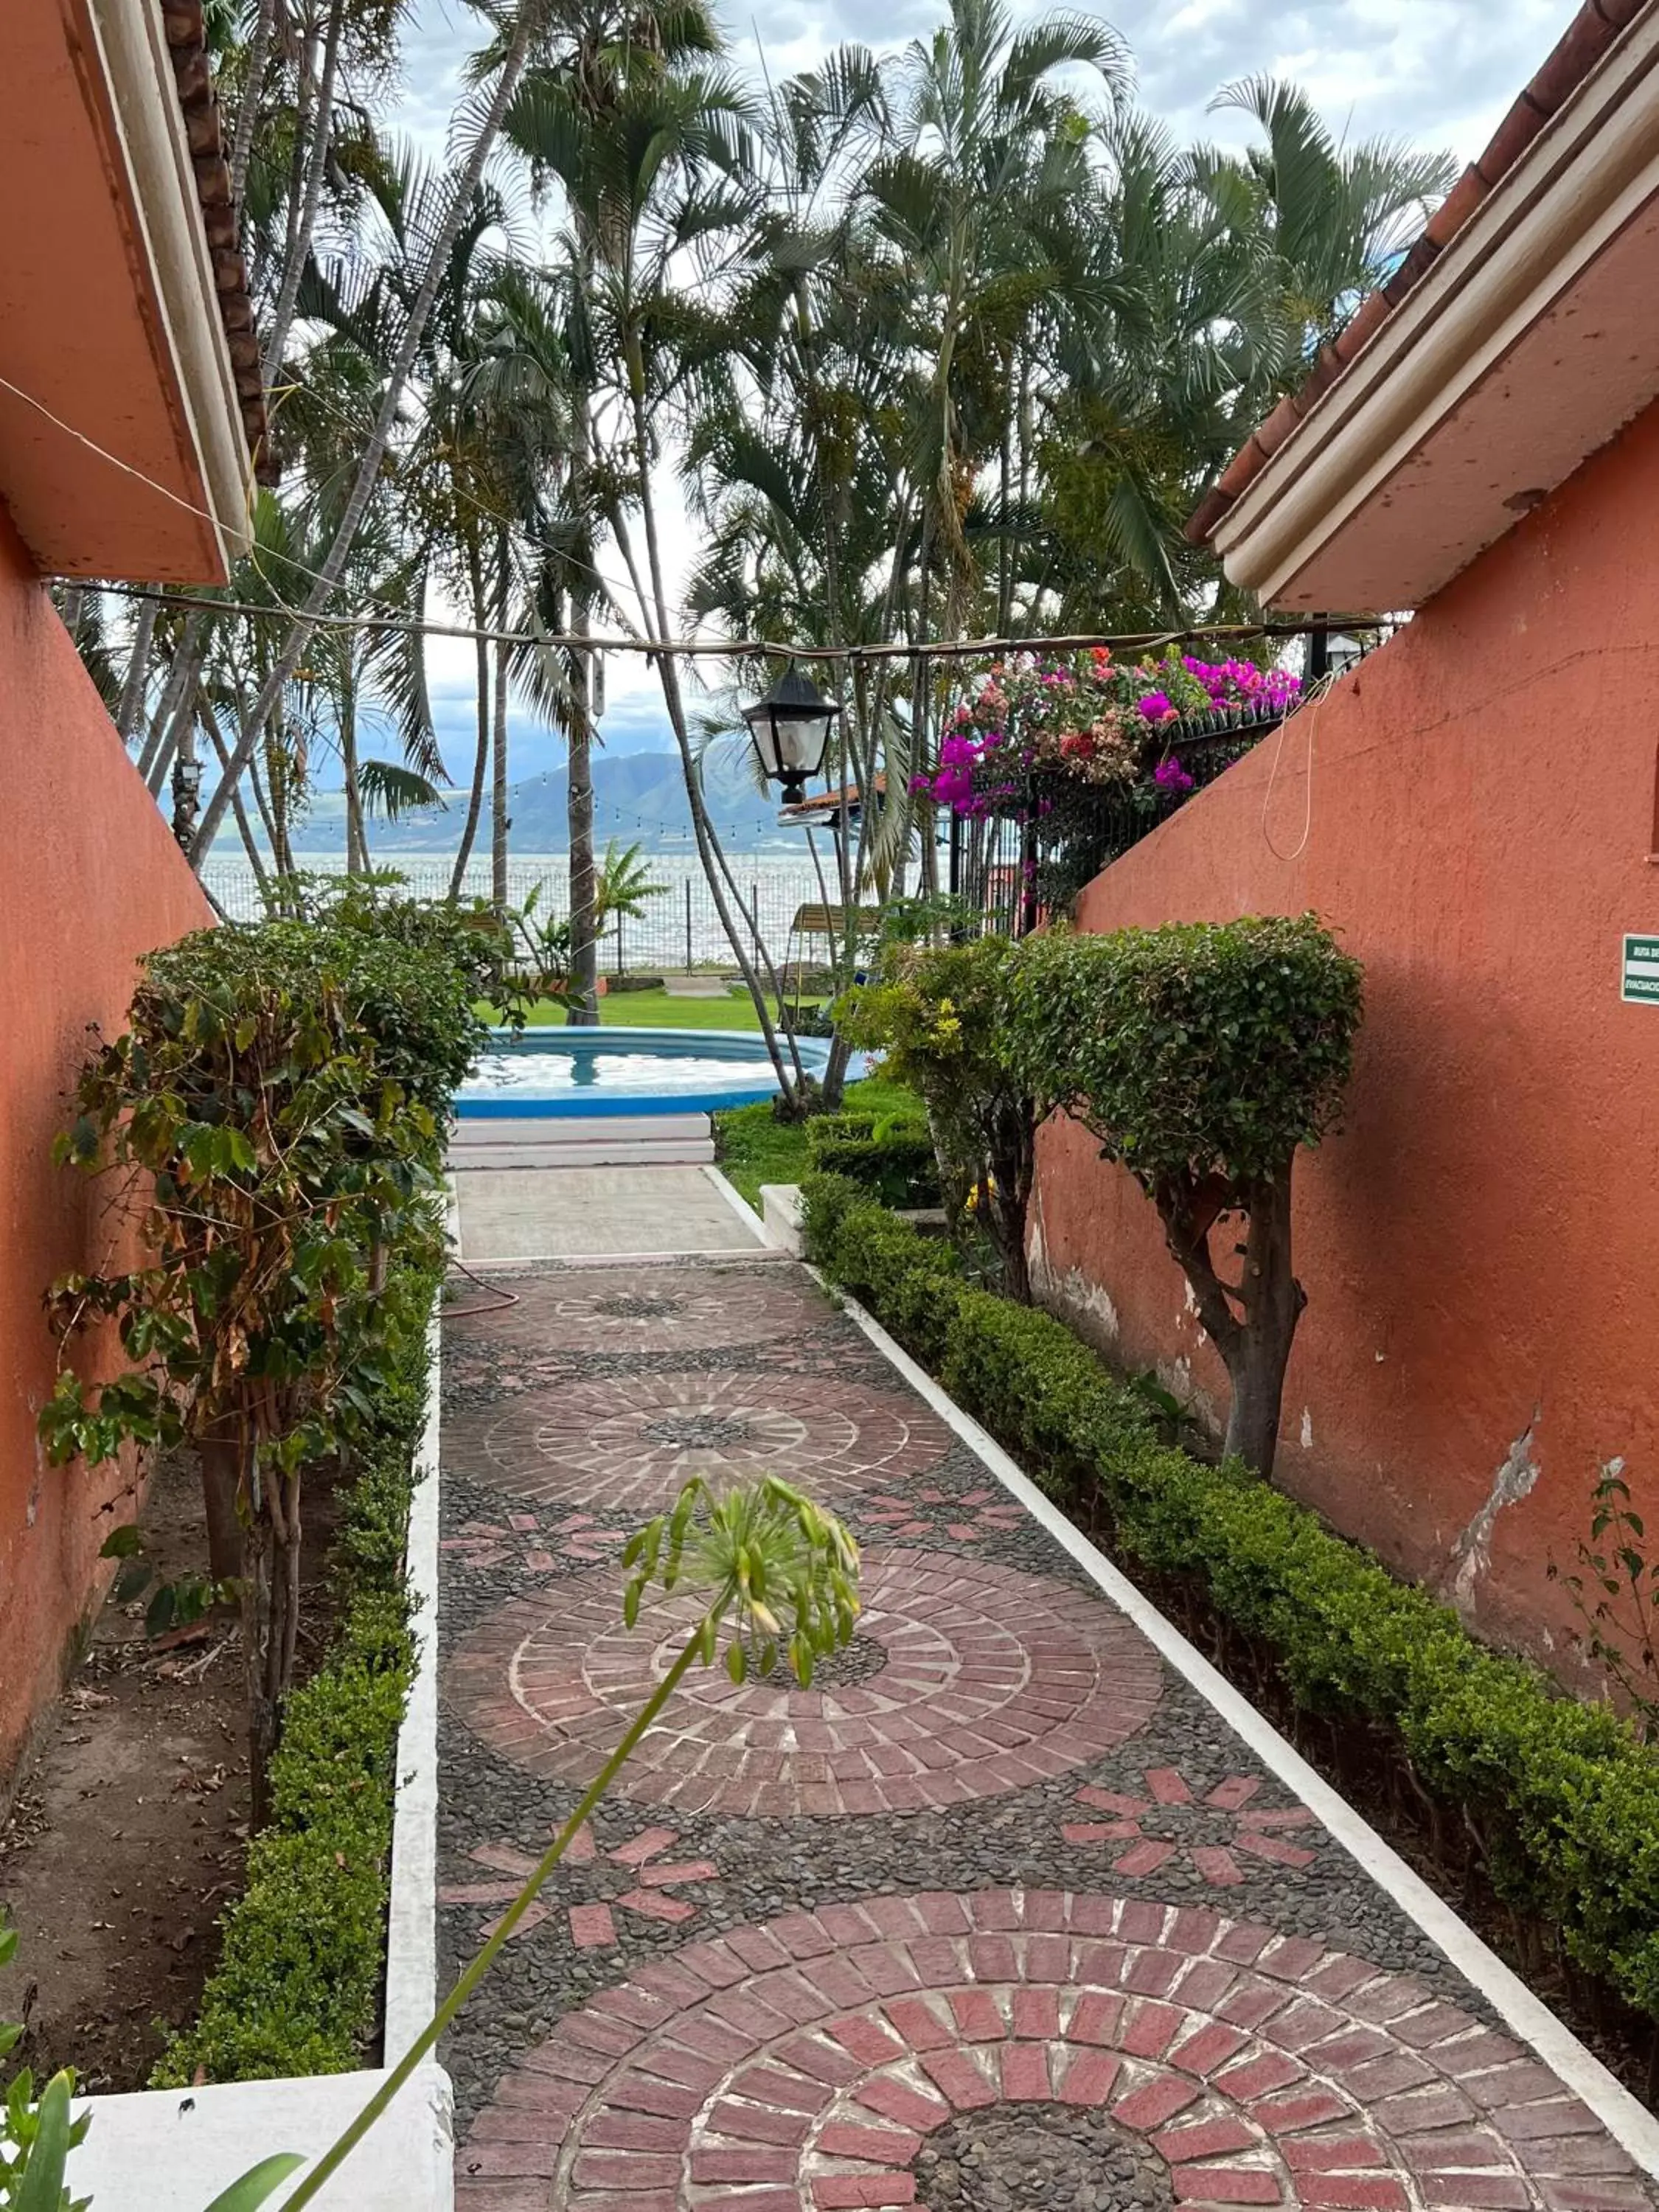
(999, 1916)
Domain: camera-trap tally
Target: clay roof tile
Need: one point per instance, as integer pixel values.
(187, 37)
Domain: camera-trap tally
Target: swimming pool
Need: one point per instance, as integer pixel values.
(622, 1071)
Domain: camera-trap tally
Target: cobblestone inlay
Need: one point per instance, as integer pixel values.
(627, 1443)
(995, 1679)
(808, 2062)
(1039, 2158)
(654, 1308)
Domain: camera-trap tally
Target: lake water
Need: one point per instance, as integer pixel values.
(680, 929)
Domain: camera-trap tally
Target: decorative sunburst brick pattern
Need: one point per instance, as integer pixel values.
(647, 1309)
(994, 1680)
(626, 1443)
(1172, 1821)
(804, 2064)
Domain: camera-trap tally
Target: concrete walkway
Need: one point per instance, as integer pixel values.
(1006, 1914)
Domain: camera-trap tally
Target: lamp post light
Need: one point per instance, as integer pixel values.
(789, 729)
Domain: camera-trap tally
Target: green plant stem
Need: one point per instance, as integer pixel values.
(338, 2152)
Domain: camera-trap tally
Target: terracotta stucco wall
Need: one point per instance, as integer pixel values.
(1480, 1245)
(89, 879)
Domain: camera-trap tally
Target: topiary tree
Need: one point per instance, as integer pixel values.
(939, 1014)
(1203, 1056)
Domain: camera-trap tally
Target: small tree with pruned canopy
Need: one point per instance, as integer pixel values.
(1203, 1056)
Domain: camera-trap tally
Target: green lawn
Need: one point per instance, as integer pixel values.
(655, 1010)
(755, 1147)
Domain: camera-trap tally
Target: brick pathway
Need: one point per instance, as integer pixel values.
(998, 1915)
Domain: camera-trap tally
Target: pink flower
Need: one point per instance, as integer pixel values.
(1170, 775)
(1155, 705)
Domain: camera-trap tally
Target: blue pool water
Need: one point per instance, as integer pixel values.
(622, 1071)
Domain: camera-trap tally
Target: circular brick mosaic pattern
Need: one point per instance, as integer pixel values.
(994, 1680)
(809, 2063)
(626, 1443)
(642, 1309)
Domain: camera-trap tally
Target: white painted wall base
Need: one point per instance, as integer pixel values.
(173, 2150)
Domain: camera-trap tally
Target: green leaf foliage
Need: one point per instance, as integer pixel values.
(1199, 1049)
(1564, 1796)
(890, 1157)
(296, 1989)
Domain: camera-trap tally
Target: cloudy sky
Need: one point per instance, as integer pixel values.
(1439, 73)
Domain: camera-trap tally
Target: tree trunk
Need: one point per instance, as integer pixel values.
(248, 110)
(500, 823)
(137, 678)
(209, 722)
(584, 1008)
(481, 756)
(528, 18)
(307, 188)
(256, 1626)
(834, 1074)
(220, 1455)
(792, 1090)
(1261, 1350)
(356, 841)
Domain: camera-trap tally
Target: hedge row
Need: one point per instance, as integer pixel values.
(297, 1988)
(1563, 1795)
(889, 1156)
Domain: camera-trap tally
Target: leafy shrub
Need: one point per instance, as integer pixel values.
(1563, 1796)
(1202, 1056)
(276, 1163)
(938, 1014)
(890, 1157)
(297, 1987)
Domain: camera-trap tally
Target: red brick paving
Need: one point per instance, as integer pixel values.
(626, 1443)
(801, 2064)
(1223, 1811)
(655, 1308)
(706, 2083)
(995, 1679)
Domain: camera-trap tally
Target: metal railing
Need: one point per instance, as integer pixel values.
(679, 929)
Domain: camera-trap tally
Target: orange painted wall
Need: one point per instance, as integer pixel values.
(89, 879)
(1480, 1245)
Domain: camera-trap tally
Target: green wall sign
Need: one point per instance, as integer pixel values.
(1641, 969)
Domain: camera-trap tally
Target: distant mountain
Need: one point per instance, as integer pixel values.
(638, 797)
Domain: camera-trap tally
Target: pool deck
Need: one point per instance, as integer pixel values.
(1021, 1906)
(525, 1214)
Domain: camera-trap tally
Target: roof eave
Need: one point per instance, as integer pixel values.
(1586, 175)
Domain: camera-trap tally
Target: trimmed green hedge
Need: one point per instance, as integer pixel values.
(889, 1156)
(1563, 1795)
(297, 1988)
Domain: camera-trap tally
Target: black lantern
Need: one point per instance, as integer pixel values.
(790, 731)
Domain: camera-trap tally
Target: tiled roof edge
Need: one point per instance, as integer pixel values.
(186, 41)
(1581, 46)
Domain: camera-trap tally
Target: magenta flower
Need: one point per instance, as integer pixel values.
(1170, 775)
(1155, 705)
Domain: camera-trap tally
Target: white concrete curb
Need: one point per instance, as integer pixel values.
(739, 1206)
(411, 1970)
(1628, 2121)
